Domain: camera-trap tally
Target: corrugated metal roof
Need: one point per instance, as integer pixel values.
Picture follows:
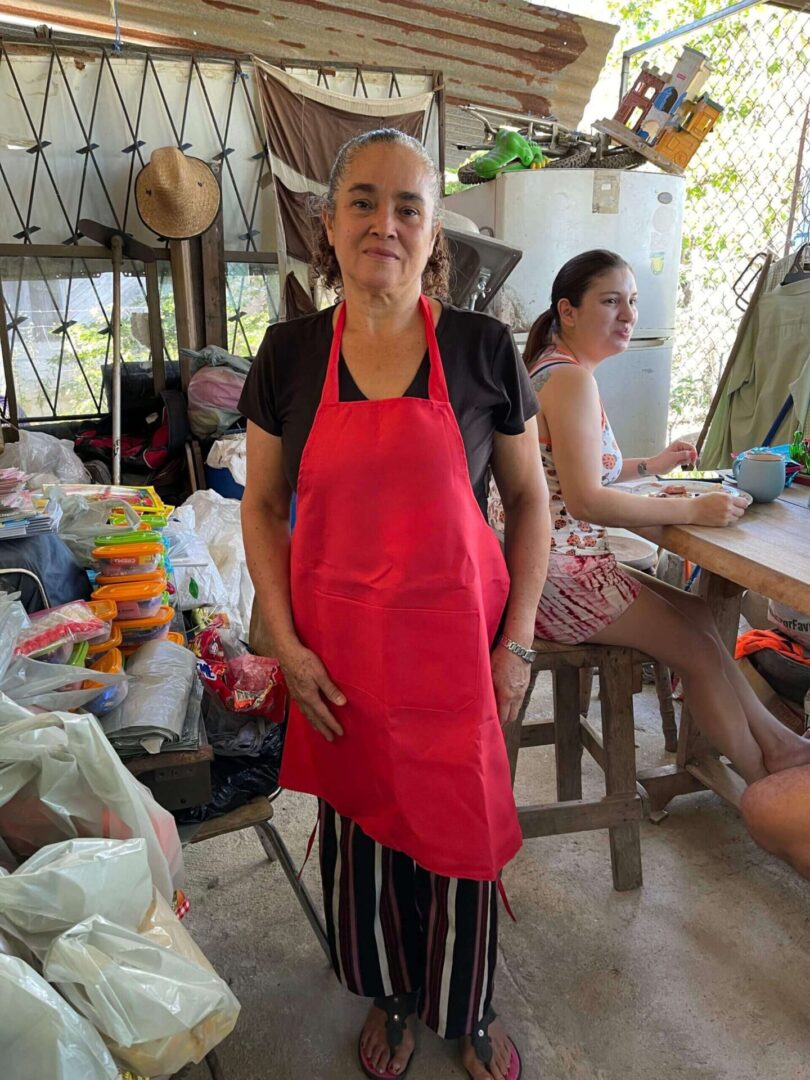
(504, 53)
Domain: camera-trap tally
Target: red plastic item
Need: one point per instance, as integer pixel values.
(244, 683)
(71, 622)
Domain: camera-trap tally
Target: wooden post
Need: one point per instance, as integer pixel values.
(116, 246)
(212, 243)
(11, 433)
(155, 327)
(187, 305)
(618, 738)
(567, 742)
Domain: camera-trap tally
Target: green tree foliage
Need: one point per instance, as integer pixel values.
(739, 183)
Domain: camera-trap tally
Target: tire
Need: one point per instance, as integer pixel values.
(468, 175)
(578, 157)
(620, 159)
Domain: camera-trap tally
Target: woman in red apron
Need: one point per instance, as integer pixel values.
(391, 610)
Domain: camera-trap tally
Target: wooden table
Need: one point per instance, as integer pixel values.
(767, 552)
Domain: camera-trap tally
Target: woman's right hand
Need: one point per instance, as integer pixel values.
(309, 684)
(718, 508)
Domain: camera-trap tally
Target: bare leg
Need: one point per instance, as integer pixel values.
(777, 811)
(657, 627)
(781, 747)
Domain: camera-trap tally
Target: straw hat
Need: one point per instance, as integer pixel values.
(176, 196)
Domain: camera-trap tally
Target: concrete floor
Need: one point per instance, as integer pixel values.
(702, 973)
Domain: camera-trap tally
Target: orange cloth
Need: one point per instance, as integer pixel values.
(754, 640)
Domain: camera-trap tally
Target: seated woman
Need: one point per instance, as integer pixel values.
(588, 596)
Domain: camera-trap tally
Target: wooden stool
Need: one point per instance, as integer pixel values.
(620, 811)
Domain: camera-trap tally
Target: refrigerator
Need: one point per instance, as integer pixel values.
(552, 215)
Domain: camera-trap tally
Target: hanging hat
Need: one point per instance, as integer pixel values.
(176, 196)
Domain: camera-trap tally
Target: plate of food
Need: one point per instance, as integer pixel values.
(683, 489)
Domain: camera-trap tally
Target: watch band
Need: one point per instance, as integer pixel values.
(642, 468)
(529, 655)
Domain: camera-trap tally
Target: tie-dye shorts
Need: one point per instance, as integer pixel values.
(582, 595)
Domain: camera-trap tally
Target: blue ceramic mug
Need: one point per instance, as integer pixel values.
(761, 474)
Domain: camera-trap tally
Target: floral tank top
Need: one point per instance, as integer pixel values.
(569, 536)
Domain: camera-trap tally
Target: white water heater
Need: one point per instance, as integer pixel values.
(552, 215)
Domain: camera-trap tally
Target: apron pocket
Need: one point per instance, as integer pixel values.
(350, 634)
(431, 659)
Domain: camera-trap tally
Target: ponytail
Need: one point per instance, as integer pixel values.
(539, 336)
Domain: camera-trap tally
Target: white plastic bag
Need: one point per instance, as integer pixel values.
(66, 883)
(217, 521)
(13, 619)
(153, 996)
(60, 779)
(41, 1036)
(196, 577)
(84, 519)
(790, 622)
(35, 684)
(230, 452)
(39, 453)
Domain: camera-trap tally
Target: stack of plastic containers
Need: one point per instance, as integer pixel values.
(132, 575)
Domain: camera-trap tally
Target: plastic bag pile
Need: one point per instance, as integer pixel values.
(96, 971)
(133, 988)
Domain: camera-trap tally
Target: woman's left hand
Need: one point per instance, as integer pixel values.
(510, 677)
(679, 452)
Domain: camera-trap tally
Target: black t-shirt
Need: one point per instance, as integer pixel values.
(486, 379)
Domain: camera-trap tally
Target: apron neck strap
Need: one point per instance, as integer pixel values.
(437, 385)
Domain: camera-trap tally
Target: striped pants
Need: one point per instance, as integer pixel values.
(394, 928)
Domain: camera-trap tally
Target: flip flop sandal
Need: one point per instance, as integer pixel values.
(397, 1010)
(482, 1045)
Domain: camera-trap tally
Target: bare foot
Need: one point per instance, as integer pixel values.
(374, 1043)
(787, 754)
(501, 1055)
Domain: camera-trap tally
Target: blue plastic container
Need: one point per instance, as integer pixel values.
(222, 481)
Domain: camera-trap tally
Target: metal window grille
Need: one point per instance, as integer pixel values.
(80, 121)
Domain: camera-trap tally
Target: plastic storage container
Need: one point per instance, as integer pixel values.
(107, 612)
(59, 626)
(96, 649)
(112, 663)
(135, 632)
(107, 579)
(134, 599)
(123, 560)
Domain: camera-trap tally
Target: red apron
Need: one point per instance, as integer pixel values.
(398, 585)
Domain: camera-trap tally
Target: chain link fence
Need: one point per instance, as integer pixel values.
(739, 185)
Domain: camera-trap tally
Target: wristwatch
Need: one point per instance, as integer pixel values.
(642, 468)
(529, 655)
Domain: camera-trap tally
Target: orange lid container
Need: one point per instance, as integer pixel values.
(106, 610)
(133, 551)
(110, 663)
(118, 579)
(155, 622)
(173, 636)
(113, 641)
(126, 591)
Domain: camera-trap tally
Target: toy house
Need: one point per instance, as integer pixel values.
(686, 81)
(679, 143)
(638, 100)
